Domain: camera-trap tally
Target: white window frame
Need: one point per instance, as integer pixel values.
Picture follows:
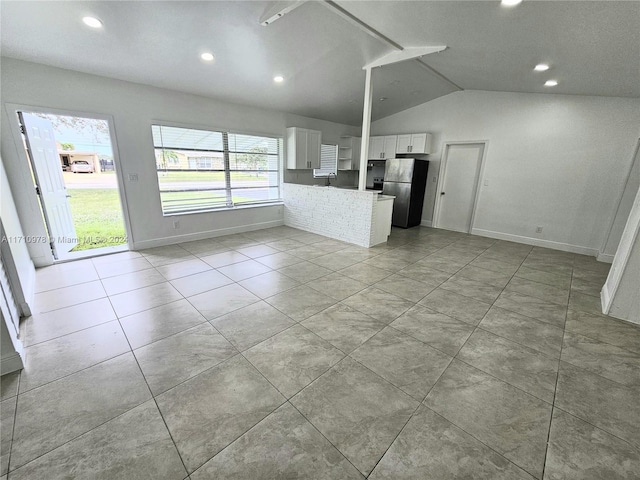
(227, 170)
(323, 171)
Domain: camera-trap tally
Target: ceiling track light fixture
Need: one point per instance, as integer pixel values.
(541, 67)
(550, 83)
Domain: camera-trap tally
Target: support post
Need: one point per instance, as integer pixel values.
(366, 130)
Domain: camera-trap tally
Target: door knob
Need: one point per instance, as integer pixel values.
(441, 193)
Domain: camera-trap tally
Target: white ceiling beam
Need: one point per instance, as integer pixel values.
(401, 56)
(276, 10)
(437, 73)
(348, 16)
(365, 27)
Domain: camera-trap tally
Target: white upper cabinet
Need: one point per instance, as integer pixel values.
(382, 147)
(414, 143)
(303, 148)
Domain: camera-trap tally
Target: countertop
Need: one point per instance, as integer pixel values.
(343, 187)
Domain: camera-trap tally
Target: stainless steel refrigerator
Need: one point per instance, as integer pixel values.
(406, 179)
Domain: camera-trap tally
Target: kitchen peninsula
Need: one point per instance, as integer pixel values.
(361, 217)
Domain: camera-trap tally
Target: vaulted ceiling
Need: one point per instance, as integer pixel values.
(592, 47)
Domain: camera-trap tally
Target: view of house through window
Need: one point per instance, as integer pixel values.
(201, 170)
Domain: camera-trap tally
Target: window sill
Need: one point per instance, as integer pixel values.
(226, 209)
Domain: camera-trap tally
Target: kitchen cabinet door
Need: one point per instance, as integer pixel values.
(296, 148)
(303, 148)
(421, 143)
(404, 143)
(376, 148)
(313, 148)
(418, 143)
(390, 145)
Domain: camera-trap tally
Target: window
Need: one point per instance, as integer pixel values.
(200, 170)
(328, 161)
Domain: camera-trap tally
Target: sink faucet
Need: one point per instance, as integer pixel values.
(329, 178)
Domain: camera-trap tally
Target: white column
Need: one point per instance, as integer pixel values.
(366, 130)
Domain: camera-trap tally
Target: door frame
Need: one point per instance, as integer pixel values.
(13, 108)
(441, 176)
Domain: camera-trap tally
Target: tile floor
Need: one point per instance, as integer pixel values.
(282, 354)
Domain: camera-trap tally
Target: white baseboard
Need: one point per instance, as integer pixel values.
(190, 237)
(11, 363)
(537, 242)
(605, 257)
(426, 223)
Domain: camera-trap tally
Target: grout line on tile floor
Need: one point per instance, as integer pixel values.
(13, 428)
(555, 391)
(70, 333)
(75, 371)
(71, 439)
(555, 407)
(484, 329)
(482, 442)
(154, 400)
(72, 305)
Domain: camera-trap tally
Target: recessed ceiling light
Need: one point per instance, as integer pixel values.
(207, 57)
(510, 3)
(92, 22)
(541, 67)
(278, 79)
(550, 83)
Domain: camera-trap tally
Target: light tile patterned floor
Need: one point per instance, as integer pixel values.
(283, 354)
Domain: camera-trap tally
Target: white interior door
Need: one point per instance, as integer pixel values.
(43, 152)
(459, 186)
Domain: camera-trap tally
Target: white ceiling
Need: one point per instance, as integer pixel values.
(593, 48)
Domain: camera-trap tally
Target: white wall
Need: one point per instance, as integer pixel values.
(134, 108)
(557, 161)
